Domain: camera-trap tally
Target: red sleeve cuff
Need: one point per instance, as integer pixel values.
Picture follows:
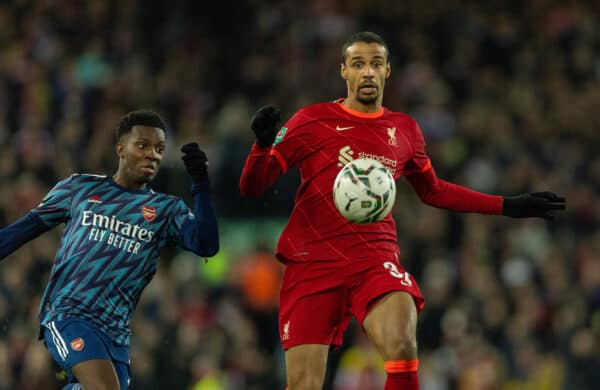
(280, 160)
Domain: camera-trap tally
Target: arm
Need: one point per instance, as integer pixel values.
(260, 171)
(439, 193)
(20, 232)
(263, 165)
(52, 211)
(201, 234)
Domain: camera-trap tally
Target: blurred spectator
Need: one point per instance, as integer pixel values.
(507, 96)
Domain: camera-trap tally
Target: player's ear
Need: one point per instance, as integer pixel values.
(343, 71)
(120, 150)
(388, 70)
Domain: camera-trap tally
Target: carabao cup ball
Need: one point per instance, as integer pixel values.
(364, 191)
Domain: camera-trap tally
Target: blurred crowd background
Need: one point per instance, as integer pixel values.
(507, 94)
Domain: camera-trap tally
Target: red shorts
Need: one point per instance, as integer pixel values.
(318, 298)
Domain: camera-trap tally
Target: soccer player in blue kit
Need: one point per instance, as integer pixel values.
(114, 230)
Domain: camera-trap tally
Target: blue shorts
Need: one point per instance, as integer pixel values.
(76, 340)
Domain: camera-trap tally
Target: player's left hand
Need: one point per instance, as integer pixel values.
(535, 204)
(195, 161)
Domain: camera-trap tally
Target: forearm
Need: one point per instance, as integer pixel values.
(200, 234)
(260, 171)
(439, 193)
(20, 232)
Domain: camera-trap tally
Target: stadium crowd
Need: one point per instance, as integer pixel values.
(507, 97)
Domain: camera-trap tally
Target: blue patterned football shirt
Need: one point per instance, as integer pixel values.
(109, 249)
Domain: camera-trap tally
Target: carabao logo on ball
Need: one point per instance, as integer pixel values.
(364, 191)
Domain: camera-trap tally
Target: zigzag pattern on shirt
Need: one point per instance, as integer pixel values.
(92, 277)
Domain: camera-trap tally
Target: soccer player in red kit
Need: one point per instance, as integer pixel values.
(335, 269)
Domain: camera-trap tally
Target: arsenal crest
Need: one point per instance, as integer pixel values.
(77, 344)
(149, 213)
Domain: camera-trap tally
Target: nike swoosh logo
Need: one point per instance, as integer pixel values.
(343, 128)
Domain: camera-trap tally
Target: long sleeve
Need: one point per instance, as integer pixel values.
(262, 168)
(439, 193)
(201, 234)
(20, 232)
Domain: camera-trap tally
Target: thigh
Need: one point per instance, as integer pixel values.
(371, 280)
(313, 305)
(82, 351)
(96, 374)
(391, 325)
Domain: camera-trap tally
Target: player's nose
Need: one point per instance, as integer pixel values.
(369, 71)
(152, 154)
(368, 76)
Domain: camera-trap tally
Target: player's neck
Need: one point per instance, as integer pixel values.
(362, 107)
(126, 182)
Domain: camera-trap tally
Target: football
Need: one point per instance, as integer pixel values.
(364, 191)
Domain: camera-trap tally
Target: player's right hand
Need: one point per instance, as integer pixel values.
(265, 124)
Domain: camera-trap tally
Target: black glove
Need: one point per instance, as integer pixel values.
(535, 204)
(265, 124)
(196, 162)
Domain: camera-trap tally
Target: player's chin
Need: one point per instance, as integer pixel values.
(147, 177)
(367, 98)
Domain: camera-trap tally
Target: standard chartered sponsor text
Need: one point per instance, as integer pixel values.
(388, 162)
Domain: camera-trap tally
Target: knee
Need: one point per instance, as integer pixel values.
(305, 366)
(305, 381)
(400, 345)
(305, 375)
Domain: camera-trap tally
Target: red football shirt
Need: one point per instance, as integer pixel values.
(320, 139)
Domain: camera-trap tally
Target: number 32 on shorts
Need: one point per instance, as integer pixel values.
(403, 276)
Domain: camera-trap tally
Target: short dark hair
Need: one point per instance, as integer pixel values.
(142, 117)
(364, 36)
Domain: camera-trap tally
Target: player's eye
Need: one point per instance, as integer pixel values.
(160, 149)
(140, 145)
(357, 65)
